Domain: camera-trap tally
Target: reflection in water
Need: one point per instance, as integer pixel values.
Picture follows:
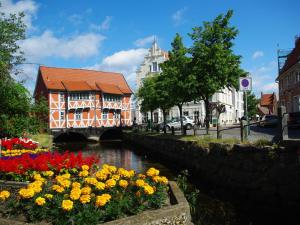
(117, 154)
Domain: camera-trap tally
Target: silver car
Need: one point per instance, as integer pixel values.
(188, 122)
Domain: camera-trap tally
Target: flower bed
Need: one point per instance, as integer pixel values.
(18, 152)
(18, 143)
(20, 168)
(87, 196)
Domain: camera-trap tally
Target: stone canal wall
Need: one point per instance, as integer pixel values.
(264, 176)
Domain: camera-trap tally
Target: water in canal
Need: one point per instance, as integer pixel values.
(117, 154)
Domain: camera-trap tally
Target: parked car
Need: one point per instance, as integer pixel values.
(268, 120)
(294, 119)
(188, 122)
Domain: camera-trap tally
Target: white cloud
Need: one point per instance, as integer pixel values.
(263, 78)
(75, 19)
(47, 45)
(104, 25)
(125, 62)
(29, 8)
(257, 54)
(178, 16)
(144, 41)
(270, 87)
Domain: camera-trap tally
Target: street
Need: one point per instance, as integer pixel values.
(256, 132)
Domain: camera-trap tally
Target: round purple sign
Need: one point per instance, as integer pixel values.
(245, 83)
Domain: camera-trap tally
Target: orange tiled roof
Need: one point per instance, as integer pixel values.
(267, 99)
(74, 79)
(77, 86)
(109, 88)
(55, 85)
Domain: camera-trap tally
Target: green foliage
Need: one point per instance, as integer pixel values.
(177, 75)
(148, 95)
(252, 102)
(17, 111)
(262, 143)
(12, 30)
(214, 63)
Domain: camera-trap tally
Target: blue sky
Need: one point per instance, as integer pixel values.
(115, 35)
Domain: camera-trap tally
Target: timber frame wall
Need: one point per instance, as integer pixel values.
(92, 112)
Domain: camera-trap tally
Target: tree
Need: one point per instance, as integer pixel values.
(214, 64)
(40, 111)
(176, 71)
(16, 114)
(148, 96)
(252, 103)
(163, 90)
(12, 30)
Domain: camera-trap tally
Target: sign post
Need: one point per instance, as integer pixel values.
(246, 85)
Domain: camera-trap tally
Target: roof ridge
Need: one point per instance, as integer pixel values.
(80, 69)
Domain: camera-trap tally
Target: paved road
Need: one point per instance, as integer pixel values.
(256, 132)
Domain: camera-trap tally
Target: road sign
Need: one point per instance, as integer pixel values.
(245, 84)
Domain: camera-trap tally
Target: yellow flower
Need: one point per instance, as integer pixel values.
(115, 177)
(112, 169)
(4, 195)
(100, 186)
(65, 183)
(85, 199)
(164, 180)
(148, 190)
(86, 190)
(37, 177)
(102, 199)
(101, 175)
(26, 193)
(141, 176)
(156, 179)
(91, 180)
(123, 183)
(75, 193)
(40, 201)
(110, 183)
(85, 167)
(36, 186)
(76, 185)
(152, 172)
(67, 205)
(84, 173)
(49, 196)
(123, 173)
(107, 196)
(131, 173)
(57, 188)
(66, 176)
(140, 182)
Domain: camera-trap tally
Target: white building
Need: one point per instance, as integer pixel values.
(232, 99)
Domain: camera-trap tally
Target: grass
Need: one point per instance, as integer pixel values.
(204, 141)
(44, 139)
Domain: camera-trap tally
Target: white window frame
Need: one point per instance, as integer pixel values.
(62, 96)
(78, 115)
(62, 115)
(104, 114)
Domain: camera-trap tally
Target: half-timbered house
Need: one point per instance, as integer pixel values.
(80, 98)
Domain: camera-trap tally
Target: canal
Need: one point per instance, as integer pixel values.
(212, 208)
